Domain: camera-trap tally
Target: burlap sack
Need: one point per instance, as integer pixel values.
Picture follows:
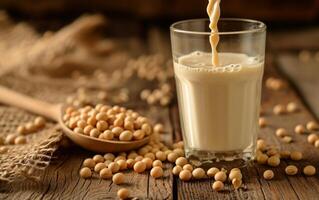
(28, 65)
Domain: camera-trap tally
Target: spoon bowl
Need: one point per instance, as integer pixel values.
(55, 112)
(100, 145)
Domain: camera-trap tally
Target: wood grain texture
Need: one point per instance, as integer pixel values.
(61, 180)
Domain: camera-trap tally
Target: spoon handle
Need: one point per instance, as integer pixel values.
(12, 98)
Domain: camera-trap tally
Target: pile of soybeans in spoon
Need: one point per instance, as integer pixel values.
(107, 122)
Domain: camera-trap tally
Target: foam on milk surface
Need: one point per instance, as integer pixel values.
(219, 105)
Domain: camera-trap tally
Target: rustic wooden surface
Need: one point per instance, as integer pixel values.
(61, 179)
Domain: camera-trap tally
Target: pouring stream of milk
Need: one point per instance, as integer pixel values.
(213, 11)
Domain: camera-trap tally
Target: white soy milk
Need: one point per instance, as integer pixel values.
(219, 106)
(213, 11)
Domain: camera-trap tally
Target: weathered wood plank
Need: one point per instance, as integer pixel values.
(304, 76)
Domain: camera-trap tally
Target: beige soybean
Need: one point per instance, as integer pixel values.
(132, 155)
(272, 152)
(21, 130)
(171, 157)
(107, 162)
(180, 152)
(148, 162)
(157, 163)
(198, 173)
(144, 94)
(261, 145)
(114, 167)
(99, 166)
(101, 125)
(287, 139)
(235, 174)
(139, 158)
(10, 139)
(146, 128)
(85, 172)
(309, 170)
(181, 161)
(160, 155)
(218, 186)
(39, 122)
(4, 149)
(139, 167)
(123, 193)
(94, 133)
(98, 158)
(87, 129)
(185, 175)
(312, 138)
(291, 170)
(150, 155)
(262, 159)
(105, 173)
(78, 130)
(281, 132)
(118, 178)
(176, 170)
(237, 183)
(279, 109)
(156, 172)
(220, 176)
(292, 107)
(109, 156)
(89, 162)
(285, 154)
(107, 135)
(262, 122)
(117, 131)
(235, 169)
(143, 151)
(188, 167)
(300, 129)
(273, 161)
(30, 127)
(81, 124)
(158, 128)
(317, 143)
(20, 140)
(126, 136)
(138, 135)
(122, 164)
(312, 126)
(130, 163)
(268, 174)
(212, 171)
(295, 155)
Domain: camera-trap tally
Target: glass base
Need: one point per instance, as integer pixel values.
(228, 159)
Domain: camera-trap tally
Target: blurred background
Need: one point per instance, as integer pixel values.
(161, 12)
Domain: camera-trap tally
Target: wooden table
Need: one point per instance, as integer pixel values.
(61, 179)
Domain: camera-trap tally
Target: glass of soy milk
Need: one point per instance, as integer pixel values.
(219, 95)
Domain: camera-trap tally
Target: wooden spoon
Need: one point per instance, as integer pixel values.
(55, 112)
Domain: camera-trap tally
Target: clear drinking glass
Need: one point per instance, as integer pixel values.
(219, 106)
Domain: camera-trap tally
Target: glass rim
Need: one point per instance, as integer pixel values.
(261, 27)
